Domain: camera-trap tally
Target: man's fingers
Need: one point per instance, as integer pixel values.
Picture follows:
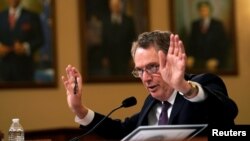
(68, 71)
(176, 45)
(71, 73)
(182, 49)
(69, 82)
(171, 45)
(162, 59)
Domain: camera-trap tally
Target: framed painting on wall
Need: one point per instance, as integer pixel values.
(208, 32)
(108, 28)
(27, 44)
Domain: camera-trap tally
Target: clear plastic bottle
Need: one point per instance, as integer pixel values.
(16, 132)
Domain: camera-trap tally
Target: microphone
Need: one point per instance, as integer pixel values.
(128, 102)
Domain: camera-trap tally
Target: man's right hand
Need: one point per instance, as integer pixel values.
(74, 99)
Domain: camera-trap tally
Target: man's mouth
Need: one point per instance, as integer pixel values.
(152, 88)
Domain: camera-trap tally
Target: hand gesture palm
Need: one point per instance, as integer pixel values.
(74, 100)
(172, 64)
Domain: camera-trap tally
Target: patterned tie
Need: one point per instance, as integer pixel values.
(163, 119)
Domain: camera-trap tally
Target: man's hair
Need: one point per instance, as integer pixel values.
(158, 39)
(204, 3)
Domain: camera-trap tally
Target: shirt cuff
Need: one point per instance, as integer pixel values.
(87, 119)
(200, 96)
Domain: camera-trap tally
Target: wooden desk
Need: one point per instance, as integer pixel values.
(59, 134)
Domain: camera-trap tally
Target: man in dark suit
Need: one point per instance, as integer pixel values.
(160, 62)
(118, 34)
(208, 46)
(20, 37)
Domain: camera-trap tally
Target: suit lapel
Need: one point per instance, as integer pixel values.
(6, 19)
(178, 104)
(143, 118)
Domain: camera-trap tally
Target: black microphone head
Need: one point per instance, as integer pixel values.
(128, 102)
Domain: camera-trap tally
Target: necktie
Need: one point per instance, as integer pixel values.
(12, 20)
(204, 27)
(163, 119)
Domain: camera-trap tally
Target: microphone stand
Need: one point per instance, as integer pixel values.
(92, 129)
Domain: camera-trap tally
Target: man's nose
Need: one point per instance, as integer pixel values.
(146, 76)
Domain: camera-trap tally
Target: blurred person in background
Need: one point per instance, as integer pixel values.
(118, 33)
(21, 36)
(208, 44)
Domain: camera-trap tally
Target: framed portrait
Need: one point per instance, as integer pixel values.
(108, 29)
(27, 44)
(207, 28)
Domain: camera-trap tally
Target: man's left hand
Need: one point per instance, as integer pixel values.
(173, 64)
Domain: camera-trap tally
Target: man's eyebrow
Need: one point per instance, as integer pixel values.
(149, 64)
(153, 63)
(137, 68)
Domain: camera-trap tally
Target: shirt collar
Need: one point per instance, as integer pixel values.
(172, 97)
(17, 11)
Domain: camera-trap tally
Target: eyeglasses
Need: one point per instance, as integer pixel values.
(150, 69)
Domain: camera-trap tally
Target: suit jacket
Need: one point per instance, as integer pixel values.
(27, 29)
(117, 40)
(217, 110)
(210, 44)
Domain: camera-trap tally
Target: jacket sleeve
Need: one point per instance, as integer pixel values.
(222, 110)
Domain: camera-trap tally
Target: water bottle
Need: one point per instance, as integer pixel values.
(16, 132)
